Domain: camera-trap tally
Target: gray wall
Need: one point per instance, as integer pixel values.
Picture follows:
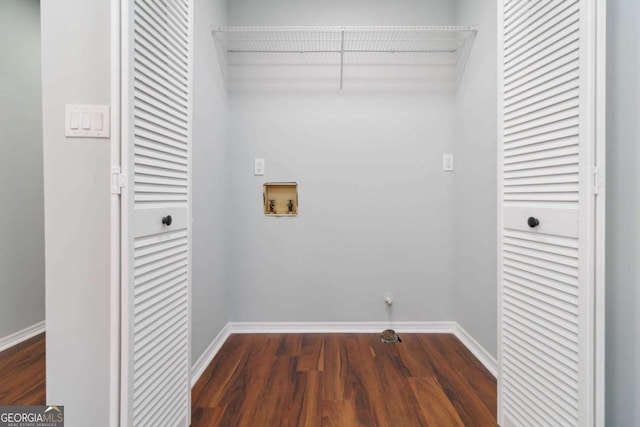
(474, 299)
(21, 184)
(75, 69)
(341, 12)
(210, 311)
(375, 211)
(623, 214)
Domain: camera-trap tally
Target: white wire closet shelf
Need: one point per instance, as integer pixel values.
(345, 46)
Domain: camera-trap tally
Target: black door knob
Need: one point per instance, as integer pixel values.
(533, 222)
(166, 220)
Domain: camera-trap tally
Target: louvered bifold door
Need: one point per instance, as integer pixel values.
(546, 254)
(156, 137)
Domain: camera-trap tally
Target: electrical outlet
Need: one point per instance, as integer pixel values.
(258, 167)
(447, 162)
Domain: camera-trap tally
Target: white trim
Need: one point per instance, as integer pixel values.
(190, 80)
(587, 213)
(501, 419)
(20, 336)
(126, 208)
(587, 199)
(207, 356)
(477, 350)
(600, 209)
(114, 344)
(339, 327)
(445, 327)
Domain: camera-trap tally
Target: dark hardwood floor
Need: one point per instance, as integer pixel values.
(22, 373)
(313, 380)
(344, 380)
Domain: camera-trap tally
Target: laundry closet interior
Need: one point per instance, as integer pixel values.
(356, 103)
(283, 166)
(378, 216)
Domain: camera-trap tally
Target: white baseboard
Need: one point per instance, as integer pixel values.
(446, 327)
(339, 327)
(20, 336)
(478, 351)
(198, 368)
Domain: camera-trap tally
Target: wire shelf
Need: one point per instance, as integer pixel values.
(344, 46)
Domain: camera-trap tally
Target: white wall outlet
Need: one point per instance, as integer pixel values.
(258, 167)
(447, 162)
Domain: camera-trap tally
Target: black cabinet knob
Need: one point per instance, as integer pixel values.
(533, 222)
(167, 220)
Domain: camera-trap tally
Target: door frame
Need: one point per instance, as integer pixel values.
(596, 43)
(115, 225)
(600, 42)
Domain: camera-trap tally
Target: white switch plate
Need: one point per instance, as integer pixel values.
(258, 167)
(87, 121)
(447, 162)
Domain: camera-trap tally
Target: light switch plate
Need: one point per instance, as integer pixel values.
(258, 167)
(87, 121)
(447, 162)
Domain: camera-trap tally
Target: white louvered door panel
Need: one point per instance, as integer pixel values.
(546, 293)
(156, 103)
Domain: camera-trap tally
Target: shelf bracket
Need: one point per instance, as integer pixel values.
(341, 59)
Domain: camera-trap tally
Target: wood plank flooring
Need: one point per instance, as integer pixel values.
(344, 380)
(313, 380)
(22, 373)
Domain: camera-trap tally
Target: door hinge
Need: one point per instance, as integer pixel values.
(117, 180)
(598, 180)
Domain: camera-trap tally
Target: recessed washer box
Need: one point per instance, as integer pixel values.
(280, 198)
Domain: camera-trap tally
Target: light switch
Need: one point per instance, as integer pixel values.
(258, 167)
(447, 162)
(75, 120)
(97, 121)
(87, 121)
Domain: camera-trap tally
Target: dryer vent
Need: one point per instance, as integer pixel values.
(389, 336)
